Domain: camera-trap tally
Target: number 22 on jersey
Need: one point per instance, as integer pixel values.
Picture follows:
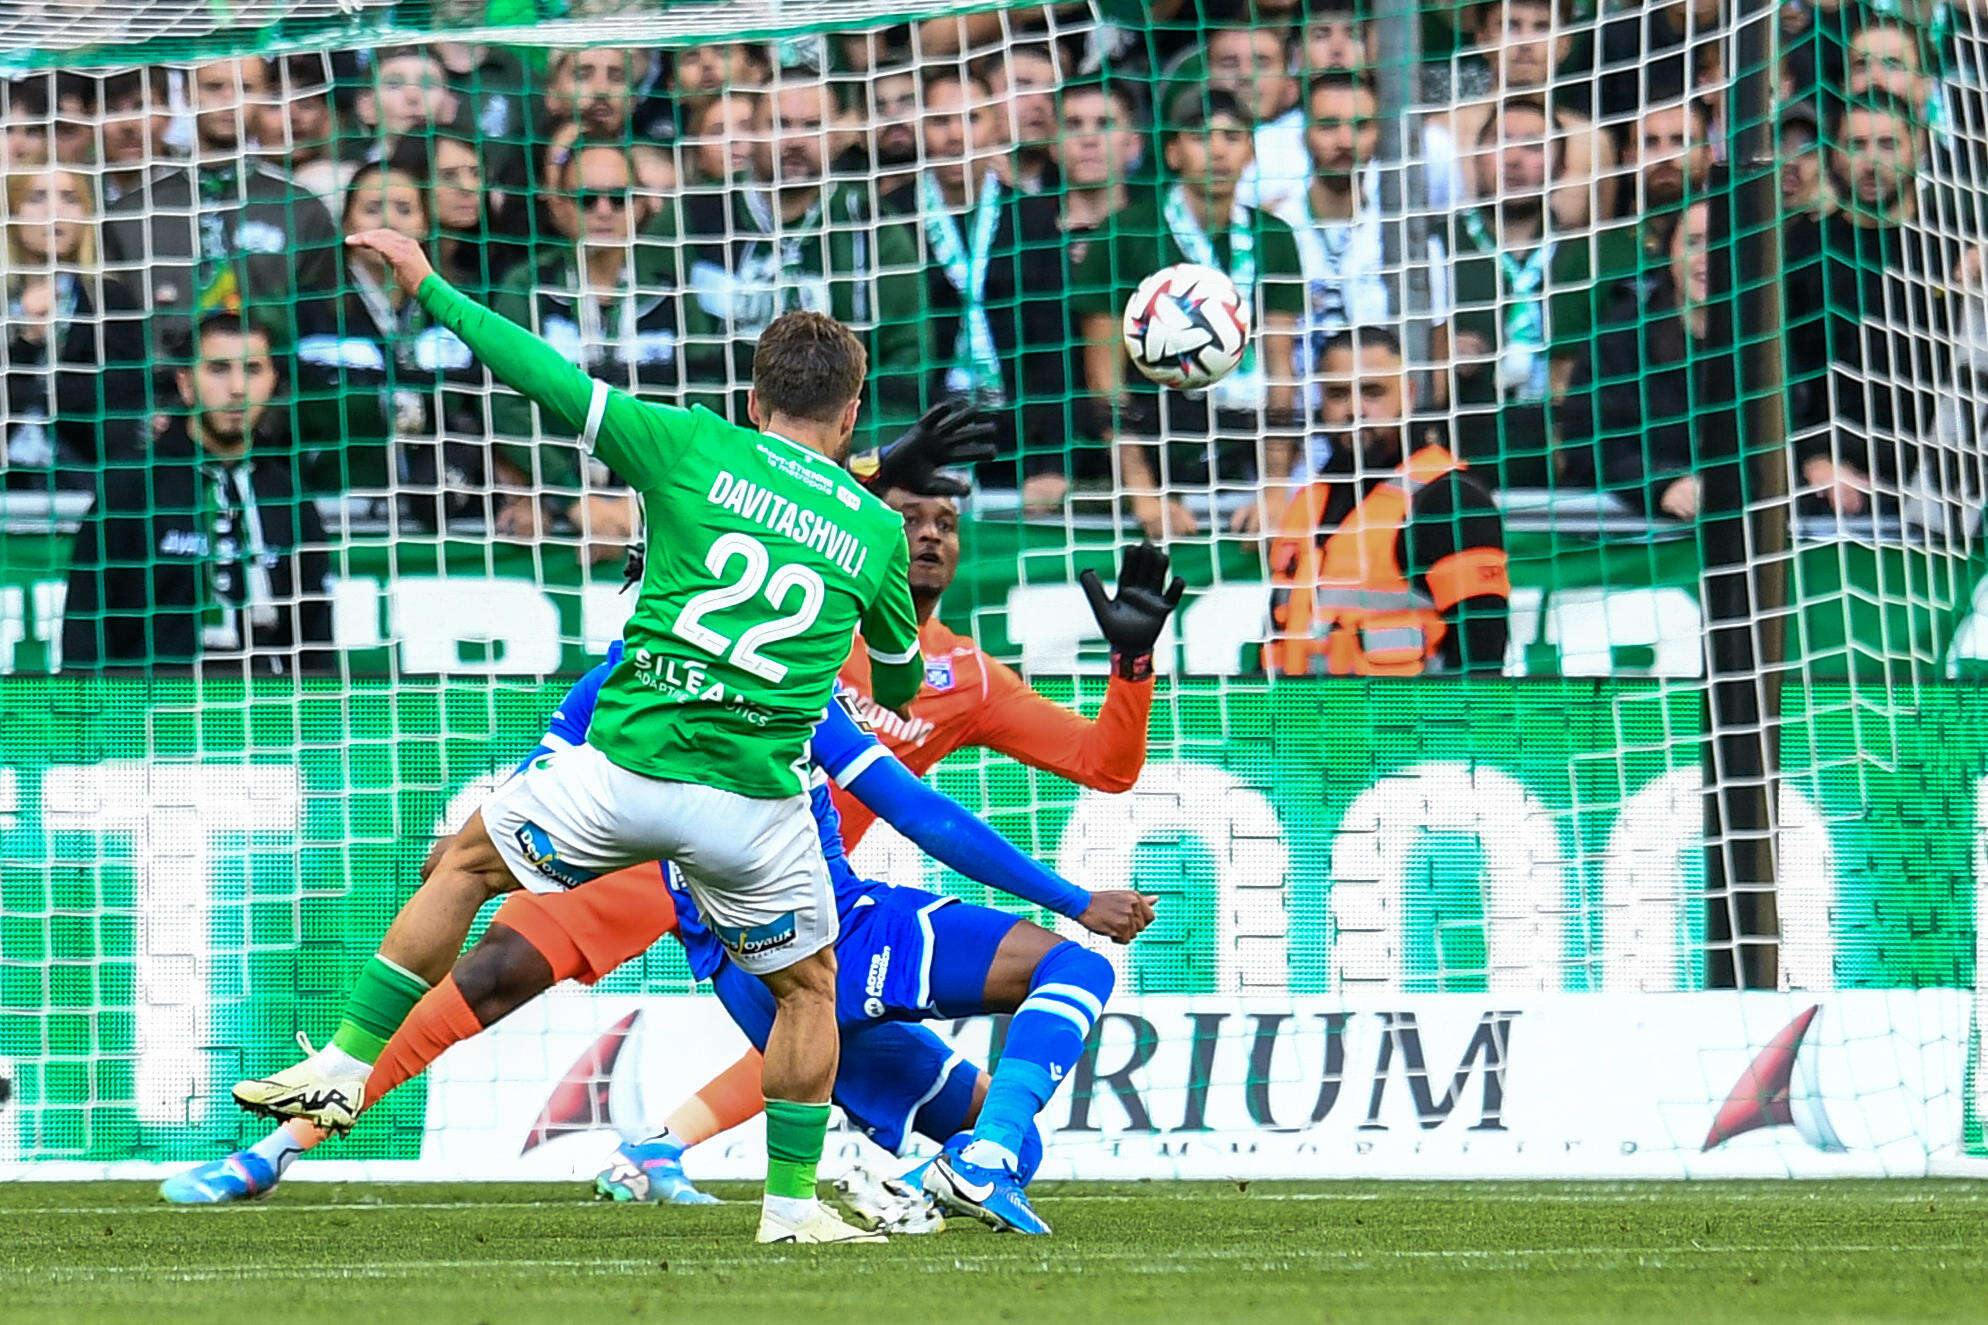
(752, 580)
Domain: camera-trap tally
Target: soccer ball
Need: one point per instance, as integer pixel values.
(1186, 326)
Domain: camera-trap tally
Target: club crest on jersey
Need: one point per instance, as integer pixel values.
(749, 941)
(536, 846)
(939, 673)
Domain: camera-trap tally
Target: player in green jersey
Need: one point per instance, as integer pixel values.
(765, 558)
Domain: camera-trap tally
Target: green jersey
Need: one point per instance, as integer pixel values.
(764, 558)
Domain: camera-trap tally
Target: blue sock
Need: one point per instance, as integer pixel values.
(1046, 1037)
(1028, 1161)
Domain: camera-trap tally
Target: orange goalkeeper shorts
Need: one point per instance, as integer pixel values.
(610, 920)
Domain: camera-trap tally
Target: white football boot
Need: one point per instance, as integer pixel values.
(823, 1226)
(889, 1204)
(328, 1094)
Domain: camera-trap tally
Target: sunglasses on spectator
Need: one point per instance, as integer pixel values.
(584, 199)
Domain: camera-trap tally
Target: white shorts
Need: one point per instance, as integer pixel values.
(754, 866)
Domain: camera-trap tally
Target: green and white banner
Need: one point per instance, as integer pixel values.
(190, 872)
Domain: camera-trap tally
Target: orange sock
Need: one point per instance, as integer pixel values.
(440, 1019)
(728, 1099)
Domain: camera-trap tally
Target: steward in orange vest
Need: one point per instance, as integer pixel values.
(1400, 574)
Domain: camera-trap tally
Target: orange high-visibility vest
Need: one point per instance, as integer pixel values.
(1346, 608)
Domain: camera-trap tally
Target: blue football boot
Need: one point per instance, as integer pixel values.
(648, 1171)
(242, 1176)
(993, 1196)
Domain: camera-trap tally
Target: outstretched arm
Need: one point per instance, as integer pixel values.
(629, 435)
(945, 830)
(513, 355)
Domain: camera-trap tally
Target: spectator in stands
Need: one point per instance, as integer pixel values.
(386, 401)
(297, 130)
(1332, 38)
(1096, 151)
(49, 117)
(894, 134)
(1646, 50)
(993, 285)
(409, 94)
(206, 555)
(351, 403)
(137, 114)
(1395, 565)
(1672, 153)
(1519, 301)
(797, 241)
(1801, 163)
(225, 225)
(1023, 79)
(75, 368)
(1337, 216)
(703, 73)
(1887, 57)
(610, 304)
(1866, 313)
(721, 144)
(473, 250)
(490, 89)
(1253, 64)
(594, 88)
(1518, 46)
(1626, 424)
(1231, 448)
(1884, 56)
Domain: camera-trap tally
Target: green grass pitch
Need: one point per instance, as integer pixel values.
(1187, 1253)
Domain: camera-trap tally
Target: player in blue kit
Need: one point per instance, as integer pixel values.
(904, 954)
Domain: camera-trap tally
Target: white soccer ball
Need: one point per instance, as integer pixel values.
(1186, 326)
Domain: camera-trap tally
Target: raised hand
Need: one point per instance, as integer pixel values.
(953, 432)
(1132, 621)
(403, 257)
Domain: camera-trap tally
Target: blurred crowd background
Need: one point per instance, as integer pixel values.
(1500, 244)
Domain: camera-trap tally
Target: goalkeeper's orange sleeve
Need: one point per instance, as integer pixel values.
(1106, 753)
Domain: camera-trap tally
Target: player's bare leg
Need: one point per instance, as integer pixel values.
(329, 1087)
(802, 1051)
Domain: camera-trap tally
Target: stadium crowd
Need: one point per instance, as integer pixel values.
(190, 344)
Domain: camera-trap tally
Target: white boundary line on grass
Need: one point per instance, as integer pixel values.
(1049, 1198)
(671, 1261)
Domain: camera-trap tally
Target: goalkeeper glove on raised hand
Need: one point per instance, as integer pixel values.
(953, 432)
(1132, 621)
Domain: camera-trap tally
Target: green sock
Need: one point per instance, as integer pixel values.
(795, 1134)
(381, 998)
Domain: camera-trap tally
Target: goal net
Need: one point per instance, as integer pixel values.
(1569, 757)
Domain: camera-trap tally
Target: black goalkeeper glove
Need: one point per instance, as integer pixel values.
(1132, 621)
(953, 432)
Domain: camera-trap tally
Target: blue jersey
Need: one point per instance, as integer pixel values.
(846, 753)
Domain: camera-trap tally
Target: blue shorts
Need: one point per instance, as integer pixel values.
(894, 1079)
(905, 955)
